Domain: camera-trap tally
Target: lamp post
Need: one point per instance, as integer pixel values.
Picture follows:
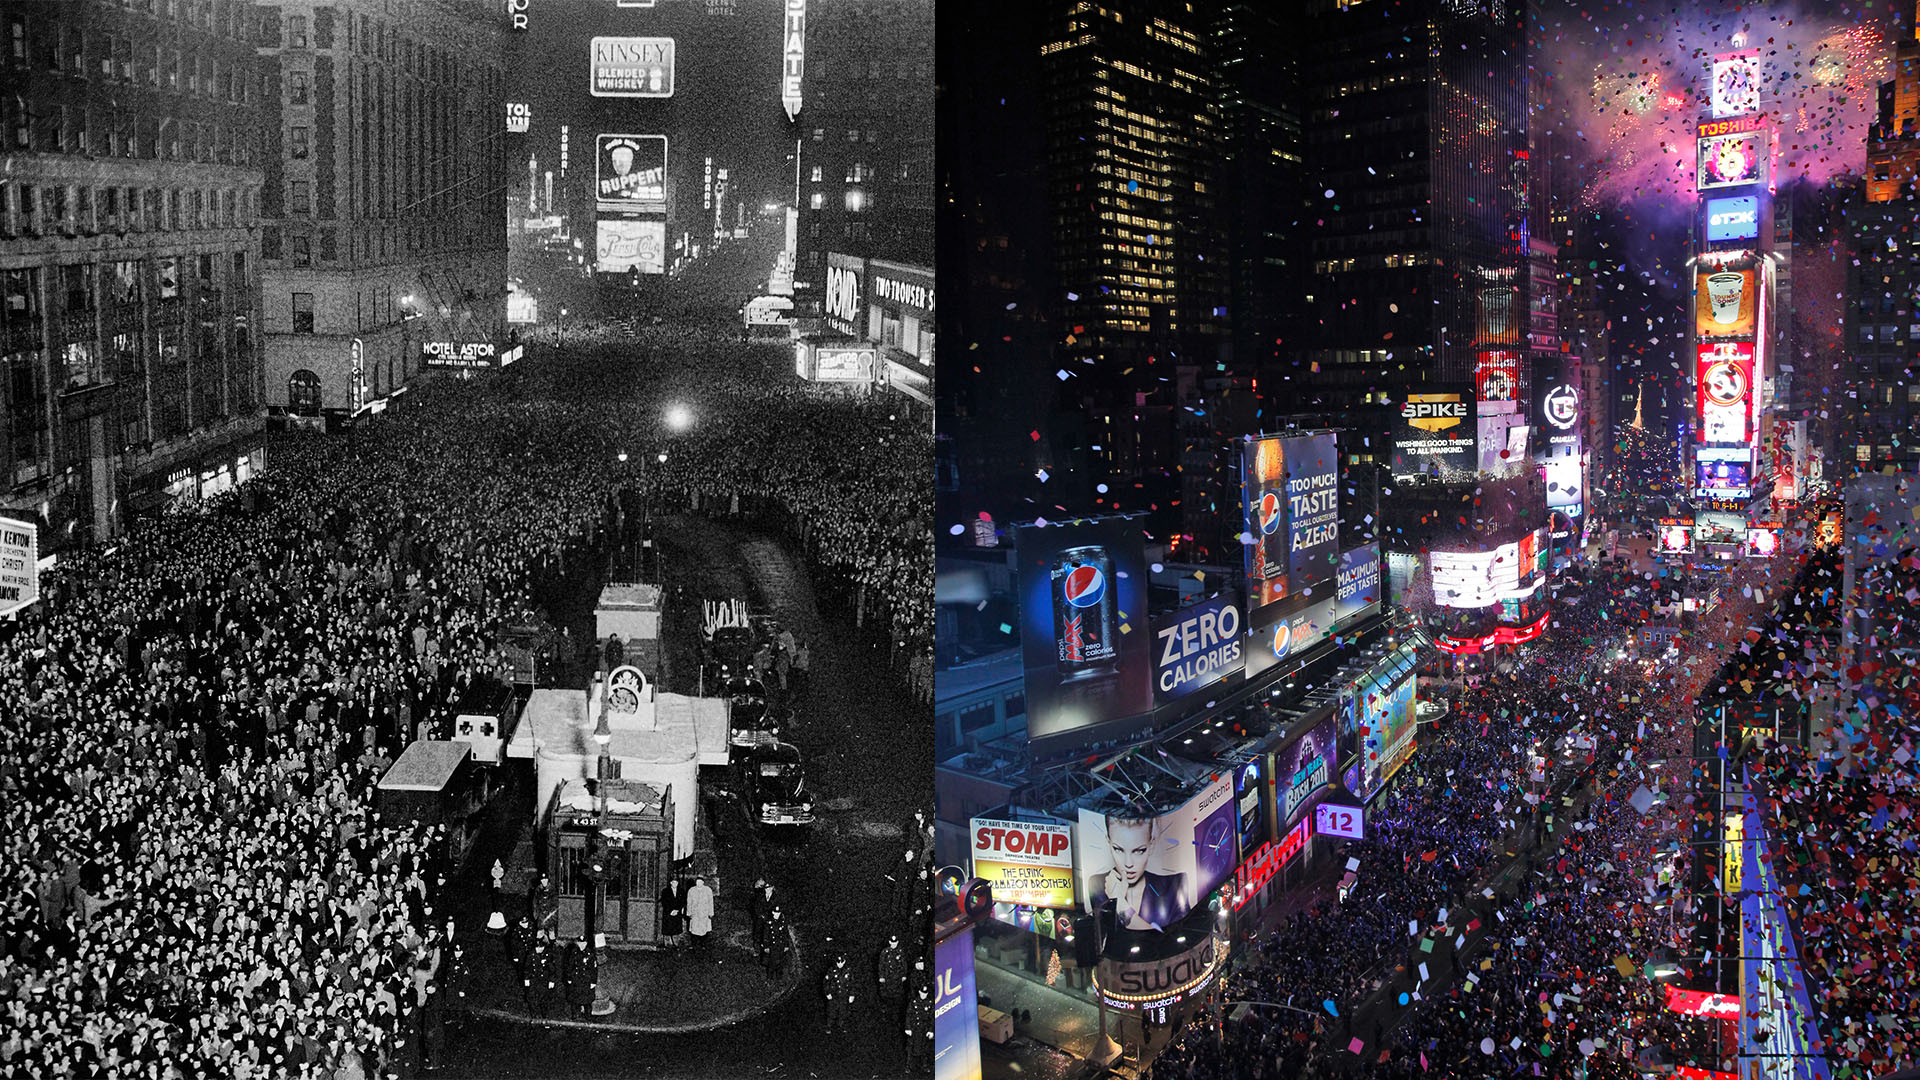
(596, 870)
(560, 329)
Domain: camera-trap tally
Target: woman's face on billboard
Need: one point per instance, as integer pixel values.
(1130, 841)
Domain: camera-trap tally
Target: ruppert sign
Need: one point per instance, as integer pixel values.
(1196, 647)
(639, 67)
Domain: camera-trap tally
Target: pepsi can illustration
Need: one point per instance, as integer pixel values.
(1084, 612)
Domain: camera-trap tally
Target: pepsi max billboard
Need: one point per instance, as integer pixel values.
(1280, 634)
(1290, 502)
(1197, 646)
(1734, 218)
(1357, 586)
(1085, 641)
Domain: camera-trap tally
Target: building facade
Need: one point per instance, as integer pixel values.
(129, 244)
(384, 160)
(864, 137)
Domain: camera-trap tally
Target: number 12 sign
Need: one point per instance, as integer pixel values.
(1332, 820)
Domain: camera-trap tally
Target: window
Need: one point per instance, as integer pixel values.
(302, 196)
(329, 246)
(977, 717)
(302, 250)
(818, 200)
(296, 31)
(299, 144)
(303, 311)
(817, 175)
(303, 392)
(297, 87)
(17, 39)
(27, 439)
(856, 199)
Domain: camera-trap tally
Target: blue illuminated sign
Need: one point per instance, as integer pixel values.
(1736, 218)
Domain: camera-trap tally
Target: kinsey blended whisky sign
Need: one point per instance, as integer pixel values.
(639, 67)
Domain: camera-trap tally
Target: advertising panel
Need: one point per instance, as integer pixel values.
(630, 174)
(1736, 217)
(793, 56)
(844, 298)
(1731, 855)
(1157, 868)
(1357, 587)
(519, 116)
(1724, 371)
(1496, 375)
(842, 365)
(1304, 766)
(1197, 646)
(1251, 790)
(1725, 301)
(458, 354)
(523, 308)
(19, 564)
(1025, 862)
(1333, 819)
(1281, 631)
(1313, 509)
(1264, 502)
(635, 67)
(1722, 479)
(1732, 160)
(956, 1010)
(1735, 86)
(1464, 579)
(622, 245)
(1437, 433)
(1675, 539)
(1386, 732)
(1556, 416)
(1763, 541)
(1083, 629)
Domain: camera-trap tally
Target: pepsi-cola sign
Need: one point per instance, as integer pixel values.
(1086, 647)
(1196, 647)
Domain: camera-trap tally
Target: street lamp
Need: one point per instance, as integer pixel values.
(679, 417)
(560, 329)
(596, 869)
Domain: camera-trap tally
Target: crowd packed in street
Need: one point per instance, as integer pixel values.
(193, 880)
(1556, 986)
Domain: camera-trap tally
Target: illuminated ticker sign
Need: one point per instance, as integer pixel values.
(793, 56)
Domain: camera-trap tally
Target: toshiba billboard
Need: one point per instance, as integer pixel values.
(1025, 862)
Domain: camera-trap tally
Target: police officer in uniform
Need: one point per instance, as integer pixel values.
(919, 1032)
(839, 987)
(890, 970)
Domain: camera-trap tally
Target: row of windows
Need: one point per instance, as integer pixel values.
(33, 210)
(80, 287)
(1371, 262)
(65, 129)
(1886, 333)
(119, 59)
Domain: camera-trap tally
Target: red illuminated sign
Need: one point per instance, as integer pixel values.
(1732, 125)
(1291, 844)
(1688, 1072)
(1700, 1003)
(1504, 635)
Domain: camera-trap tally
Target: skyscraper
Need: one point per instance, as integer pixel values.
(1133, 145)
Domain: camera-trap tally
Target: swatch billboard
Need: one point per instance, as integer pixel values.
(1197, 646)
(1084, 637)
(1156, 868)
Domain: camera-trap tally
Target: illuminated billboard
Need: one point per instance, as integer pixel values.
(1674, 537)
(1197, 646)
(1726, 301)
(1290, 499)
(1732, 160)
(1284, 630)
(1735, 217)
(1357, 587)
(1384, 716)
(630, 174)
(1025, 862)
(1496, 375)
(956, 1009)
(832, 364)
(519, 116)
(1763, 540)
(622, 245)
(1734, 86)
(1157, 868)
(1087, 650)
(636, 67)
(1437, 434)
(844, 300)
(1556, 422)
(793, 56)
(1723, 479)
(1724, 371)
(1304, 766)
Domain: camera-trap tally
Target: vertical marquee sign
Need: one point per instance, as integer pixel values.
(793, 56)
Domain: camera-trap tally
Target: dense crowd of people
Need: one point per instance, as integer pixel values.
(1544, 993)
(193, 878)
